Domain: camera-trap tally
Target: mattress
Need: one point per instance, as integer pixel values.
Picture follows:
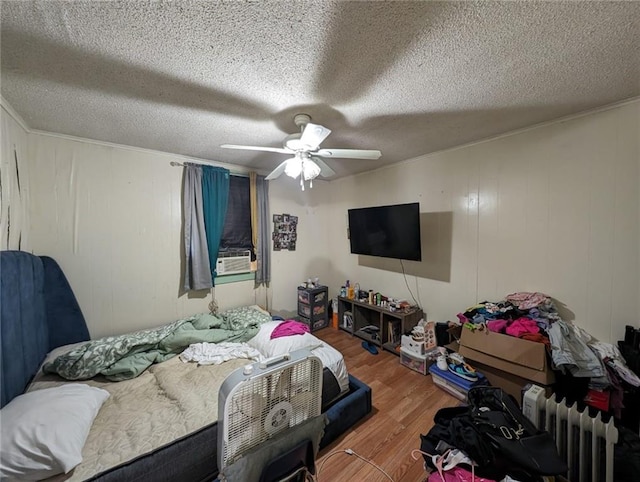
(171, 401)
(331, 358)
(168, 401)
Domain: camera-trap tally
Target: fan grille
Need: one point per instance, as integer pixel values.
(263, 406)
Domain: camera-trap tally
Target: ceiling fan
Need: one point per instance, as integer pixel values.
(307, 157)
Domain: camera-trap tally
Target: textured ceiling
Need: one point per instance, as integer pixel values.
(407, 78)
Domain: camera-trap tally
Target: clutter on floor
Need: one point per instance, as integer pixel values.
(509, 341)
(370, 347)
(495, 438)
(453, 383)
(418, 349)
(570, 381)
(412, 360)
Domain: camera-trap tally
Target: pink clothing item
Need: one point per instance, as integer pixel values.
(463, 319)
(457, 474)
(288, 328)
(525, 301)
(521, 326)
(497, 325)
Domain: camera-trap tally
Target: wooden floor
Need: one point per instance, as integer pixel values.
(404, 403)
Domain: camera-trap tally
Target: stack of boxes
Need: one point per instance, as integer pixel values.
(418, 348)
(453, 384)
(419, 351)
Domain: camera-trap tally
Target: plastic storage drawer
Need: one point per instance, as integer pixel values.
(453, 384)
(414, 361)
(313, 307)
(316, 324)
(305, 295)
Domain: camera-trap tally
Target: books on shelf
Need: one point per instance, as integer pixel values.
(347, 321)
(393, 332)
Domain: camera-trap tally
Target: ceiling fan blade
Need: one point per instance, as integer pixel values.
(277, 171)
(313, 135)
(280, 150)
(325, 170)
(349, 153)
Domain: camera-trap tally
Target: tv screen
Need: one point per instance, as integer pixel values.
(387, 231)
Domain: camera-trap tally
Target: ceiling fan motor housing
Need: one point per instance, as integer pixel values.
(292, 141)
(301, 120)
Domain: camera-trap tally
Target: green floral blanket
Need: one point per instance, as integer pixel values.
(127, 356)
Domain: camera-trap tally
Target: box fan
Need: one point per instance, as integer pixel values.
(263, 399)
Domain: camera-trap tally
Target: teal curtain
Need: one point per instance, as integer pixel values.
(215, 194)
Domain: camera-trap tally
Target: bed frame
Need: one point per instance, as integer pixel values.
(39, 312)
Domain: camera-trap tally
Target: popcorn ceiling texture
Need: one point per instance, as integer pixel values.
(407, 78)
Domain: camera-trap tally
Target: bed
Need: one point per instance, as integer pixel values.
(40, 314)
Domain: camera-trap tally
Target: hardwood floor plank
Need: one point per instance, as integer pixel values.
(404, 403)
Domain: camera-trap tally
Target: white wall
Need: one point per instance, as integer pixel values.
(14, 174)
(312, 255)
(111, 216)
(554, 209)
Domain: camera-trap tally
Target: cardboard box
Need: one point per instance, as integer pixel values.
(507, 362)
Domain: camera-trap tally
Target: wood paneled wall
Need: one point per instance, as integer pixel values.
(554, 209)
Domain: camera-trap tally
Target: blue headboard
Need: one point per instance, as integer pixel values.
(38, 312)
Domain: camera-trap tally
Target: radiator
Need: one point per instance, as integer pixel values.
(584, 441)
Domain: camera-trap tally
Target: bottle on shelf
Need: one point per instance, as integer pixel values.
(350, 293)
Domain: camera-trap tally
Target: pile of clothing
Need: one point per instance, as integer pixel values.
(523, 315)
(488, 440)
(574, 352)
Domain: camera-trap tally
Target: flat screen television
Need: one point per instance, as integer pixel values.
(387, 231)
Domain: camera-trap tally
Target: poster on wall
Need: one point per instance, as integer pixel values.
(285, 232)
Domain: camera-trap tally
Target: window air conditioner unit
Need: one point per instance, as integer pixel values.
(233, 262)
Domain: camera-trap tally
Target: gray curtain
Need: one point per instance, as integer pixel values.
(263, 249)
(197, 272)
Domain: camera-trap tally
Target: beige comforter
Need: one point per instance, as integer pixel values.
(168, 401)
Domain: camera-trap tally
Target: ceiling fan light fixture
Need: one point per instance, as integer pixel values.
(294, 167)
(303, 167)
(310, 170)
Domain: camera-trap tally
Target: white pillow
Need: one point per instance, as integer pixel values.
(52, 355)
(44, 431)
(284, 344)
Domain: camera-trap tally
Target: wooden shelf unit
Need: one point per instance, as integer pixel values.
(364, 314)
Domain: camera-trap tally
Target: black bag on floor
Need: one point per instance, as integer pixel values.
(454, 428)
(626, 464)
(511, 435)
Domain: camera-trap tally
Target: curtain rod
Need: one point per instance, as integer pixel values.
(183, 164)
